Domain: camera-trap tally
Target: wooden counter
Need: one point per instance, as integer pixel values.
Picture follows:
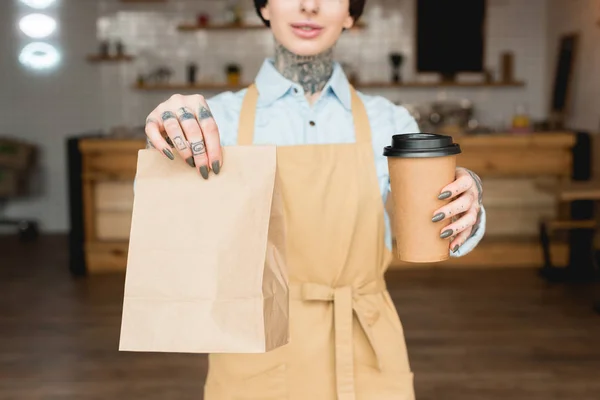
(508, 164)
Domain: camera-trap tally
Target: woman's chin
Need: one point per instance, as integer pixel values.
(307, 48)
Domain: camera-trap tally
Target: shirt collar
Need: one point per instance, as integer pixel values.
(272, 85)
(339, 85)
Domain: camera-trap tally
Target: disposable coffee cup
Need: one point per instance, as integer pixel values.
(420, 165)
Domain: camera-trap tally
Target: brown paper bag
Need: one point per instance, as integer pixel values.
(205, 269)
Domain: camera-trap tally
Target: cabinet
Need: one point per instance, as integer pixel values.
(508, 164)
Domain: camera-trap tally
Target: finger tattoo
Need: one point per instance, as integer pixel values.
(151, 120)
(180, 143)
(204, 113)
(185, 114)
(149, 144)
(167, 115)
(198, 148)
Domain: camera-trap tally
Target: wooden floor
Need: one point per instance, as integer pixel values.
(472, 335)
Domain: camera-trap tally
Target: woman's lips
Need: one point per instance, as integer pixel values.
(307, 30)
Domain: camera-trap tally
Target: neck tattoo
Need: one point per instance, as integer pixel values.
(310, 72)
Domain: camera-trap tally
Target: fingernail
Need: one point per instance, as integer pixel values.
(191, 162)
(438, 217)
(445, 195)
(169, 154)
(455, 249)
(216, 167)
(446, 234)
(204, 171)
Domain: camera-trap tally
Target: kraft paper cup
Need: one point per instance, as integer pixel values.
(420, 165)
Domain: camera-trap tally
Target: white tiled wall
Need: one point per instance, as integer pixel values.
(149, 31)
(45, 108)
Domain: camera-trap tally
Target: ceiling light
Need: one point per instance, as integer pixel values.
(38, 4)
(37, 25)
(39, 55)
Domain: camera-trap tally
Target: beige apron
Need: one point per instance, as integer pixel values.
(346, 340)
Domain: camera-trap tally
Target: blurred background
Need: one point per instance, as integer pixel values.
(515, 82)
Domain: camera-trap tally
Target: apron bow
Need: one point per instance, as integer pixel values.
(346, 301)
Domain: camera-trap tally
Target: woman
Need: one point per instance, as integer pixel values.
(335, 183)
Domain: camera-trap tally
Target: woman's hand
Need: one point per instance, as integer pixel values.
(191, 130)
(464, 210)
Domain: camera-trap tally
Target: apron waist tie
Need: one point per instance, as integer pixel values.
(346, 301)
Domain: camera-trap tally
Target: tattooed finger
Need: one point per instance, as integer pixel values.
(154, 139)
(460, 239)
(172, 128)
(463, 223)
(185, 114)
(167, 115)
(149, 121)
(204, 112)
(180, 143)
(210, 132)
(198, 147)
(169, 142)
(149, 144)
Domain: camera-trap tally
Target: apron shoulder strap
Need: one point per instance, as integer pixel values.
(362, 127)
(247, 117)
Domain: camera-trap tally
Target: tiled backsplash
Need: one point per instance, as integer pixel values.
(149, 31)
(80, 96)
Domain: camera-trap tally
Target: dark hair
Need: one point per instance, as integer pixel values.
(356, 9)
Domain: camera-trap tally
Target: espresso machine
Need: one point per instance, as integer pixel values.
(452, 117)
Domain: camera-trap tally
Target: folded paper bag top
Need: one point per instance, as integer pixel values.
(206, 264)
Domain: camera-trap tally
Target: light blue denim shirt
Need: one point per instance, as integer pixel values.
(284, 117)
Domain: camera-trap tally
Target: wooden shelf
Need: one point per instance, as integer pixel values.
(219, 27)
(96, 58)
(390, 85)
(365, 85)
(228, 27)
(142, 1)
(185, 86)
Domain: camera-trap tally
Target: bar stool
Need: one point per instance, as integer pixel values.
(583, 261)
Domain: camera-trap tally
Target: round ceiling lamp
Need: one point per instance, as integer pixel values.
(38, 4)
(37, 25)
(39, 56)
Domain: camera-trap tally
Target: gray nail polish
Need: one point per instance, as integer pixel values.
(455, 249)
(446, 234)
(204, 171)
(168, 153)
(438, 217)
(445, 195)
(190, 161)
(216, 167)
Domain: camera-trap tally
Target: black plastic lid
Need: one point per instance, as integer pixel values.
(421, 145)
